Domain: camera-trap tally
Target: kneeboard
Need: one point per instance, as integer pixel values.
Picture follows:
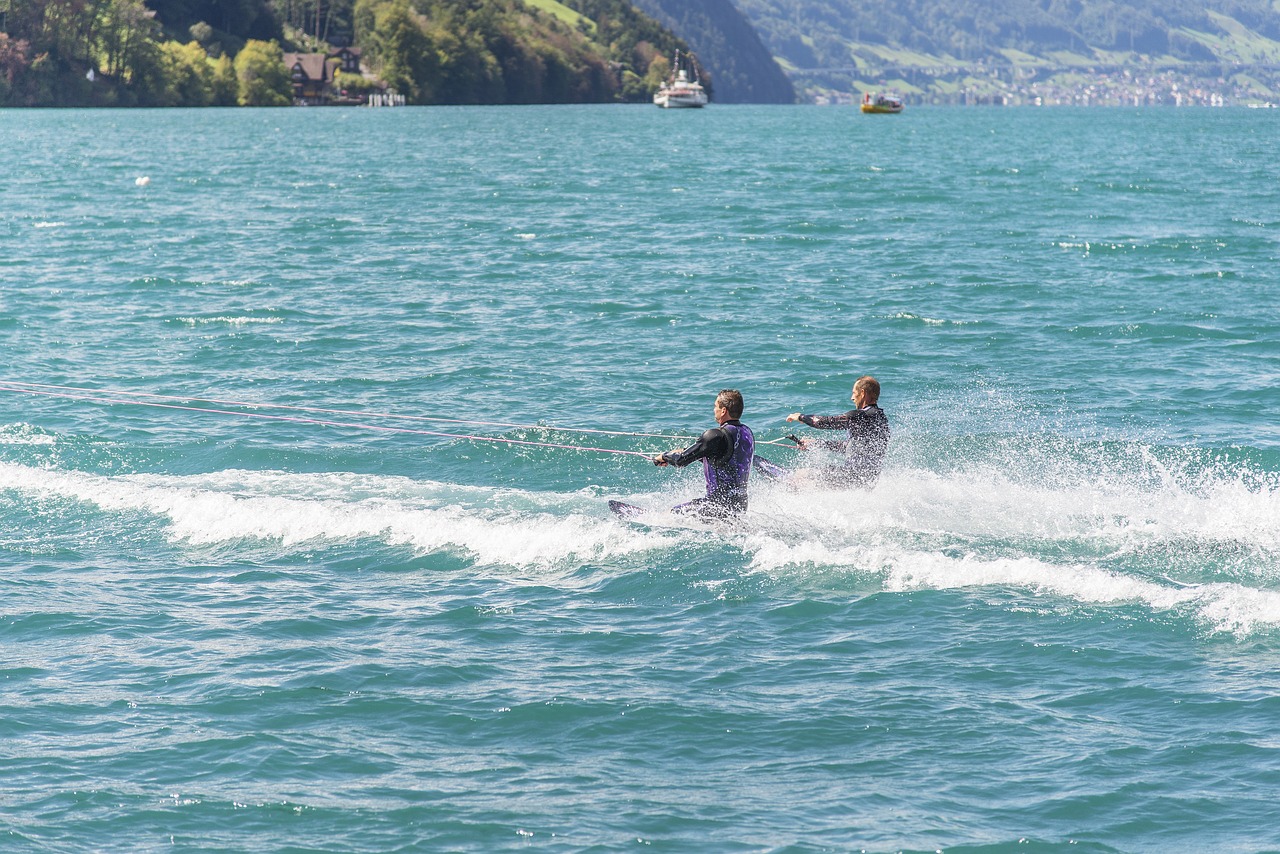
(646, 517)
(769, 469)
(626, 511)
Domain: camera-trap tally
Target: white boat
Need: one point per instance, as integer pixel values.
(679, 90)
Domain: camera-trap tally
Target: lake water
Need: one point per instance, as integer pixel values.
(314, 624)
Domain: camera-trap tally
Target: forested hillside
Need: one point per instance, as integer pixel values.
(509, 52)
(223, 52)
(922, 42)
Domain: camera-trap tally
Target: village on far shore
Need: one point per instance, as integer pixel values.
(1089, 86)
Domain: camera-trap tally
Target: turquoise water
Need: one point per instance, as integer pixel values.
(1054, 624)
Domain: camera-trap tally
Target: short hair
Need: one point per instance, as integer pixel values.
(731, 400)
(869, 386)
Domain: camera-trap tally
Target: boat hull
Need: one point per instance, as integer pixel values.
(674, 100)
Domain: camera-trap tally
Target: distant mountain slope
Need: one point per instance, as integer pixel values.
(870, 37)
(742, 68)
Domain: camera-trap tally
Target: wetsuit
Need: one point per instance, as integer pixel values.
(726, 453)
(863, 451)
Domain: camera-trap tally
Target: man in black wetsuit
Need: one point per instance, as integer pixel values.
(726, 452)
(861, 452)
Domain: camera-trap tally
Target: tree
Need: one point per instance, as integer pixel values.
(14, 57)
(201, 32)
(323, 20)
(224, 88)
(123, 42)
(187, 75)
(264, 81)
(409, 57)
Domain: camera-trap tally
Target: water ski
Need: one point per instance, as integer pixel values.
(626, 511)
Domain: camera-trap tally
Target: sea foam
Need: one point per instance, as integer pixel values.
(1211, 553)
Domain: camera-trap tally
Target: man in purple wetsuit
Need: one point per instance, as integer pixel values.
(862, 450)
(726, 452)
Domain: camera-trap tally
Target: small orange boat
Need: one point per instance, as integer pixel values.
(881, 103)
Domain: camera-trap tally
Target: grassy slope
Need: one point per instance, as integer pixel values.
(563, 13)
